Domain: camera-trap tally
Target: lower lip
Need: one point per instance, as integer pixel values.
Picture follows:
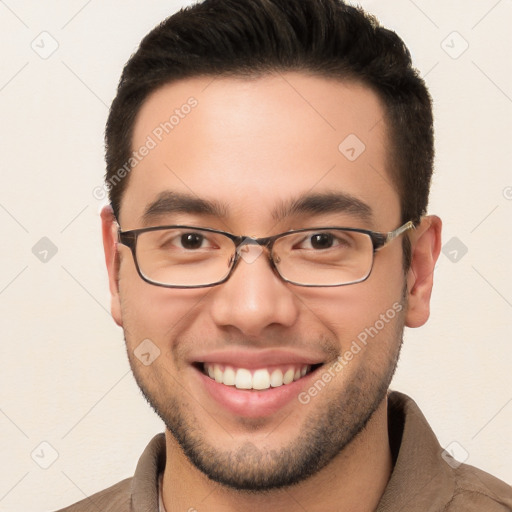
(253, 403)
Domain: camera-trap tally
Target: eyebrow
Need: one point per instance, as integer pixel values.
(328, 202)
(173, 202)
(169, 202)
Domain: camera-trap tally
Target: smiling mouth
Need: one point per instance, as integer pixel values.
(258, 379)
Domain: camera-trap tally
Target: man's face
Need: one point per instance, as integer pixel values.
(253, 148)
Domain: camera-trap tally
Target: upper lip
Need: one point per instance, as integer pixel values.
(261, 358)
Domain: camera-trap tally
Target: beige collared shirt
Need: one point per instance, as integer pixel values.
(424, 479)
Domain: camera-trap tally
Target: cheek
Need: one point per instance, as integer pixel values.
(154, 312)
(364, 315)
(351, 309)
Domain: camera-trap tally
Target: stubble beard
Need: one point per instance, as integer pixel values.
(325, 432)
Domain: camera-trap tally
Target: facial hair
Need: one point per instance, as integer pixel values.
(325, 432)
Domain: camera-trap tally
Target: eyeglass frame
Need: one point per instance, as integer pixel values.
(379, 240)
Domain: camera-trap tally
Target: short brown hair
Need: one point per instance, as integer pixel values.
(255, 37)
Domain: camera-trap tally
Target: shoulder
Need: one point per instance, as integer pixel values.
(426, 477)
(139, 492)
(476, 490)
(113, 499)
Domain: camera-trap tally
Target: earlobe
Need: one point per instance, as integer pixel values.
(425, 249)
(109, 232)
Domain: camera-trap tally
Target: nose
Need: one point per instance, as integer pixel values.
(254, 298)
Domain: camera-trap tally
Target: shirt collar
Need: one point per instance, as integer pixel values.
(161, 507)
(144, 485)
(420, 480)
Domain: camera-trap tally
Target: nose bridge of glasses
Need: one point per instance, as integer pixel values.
(250, 248)
(241, 241)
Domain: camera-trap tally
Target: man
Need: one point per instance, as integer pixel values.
(268, 164)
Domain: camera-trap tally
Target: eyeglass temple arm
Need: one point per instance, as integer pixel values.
(398, 231)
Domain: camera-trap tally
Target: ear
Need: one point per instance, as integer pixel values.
(425, 249)
(109, 232)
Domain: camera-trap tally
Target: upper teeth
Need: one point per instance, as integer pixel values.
(262, 378)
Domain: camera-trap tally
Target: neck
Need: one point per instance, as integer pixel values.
(353, 481)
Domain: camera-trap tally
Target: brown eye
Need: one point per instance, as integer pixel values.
(192, 240)
(322, 241)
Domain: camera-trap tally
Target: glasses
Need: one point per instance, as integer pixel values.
(191, 257)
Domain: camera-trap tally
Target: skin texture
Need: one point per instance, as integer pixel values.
(251, 146)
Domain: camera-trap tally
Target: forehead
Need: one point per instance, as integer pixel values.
(251, 145)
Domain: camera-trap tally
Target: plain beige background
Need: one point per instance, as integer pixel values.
(65, 381)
